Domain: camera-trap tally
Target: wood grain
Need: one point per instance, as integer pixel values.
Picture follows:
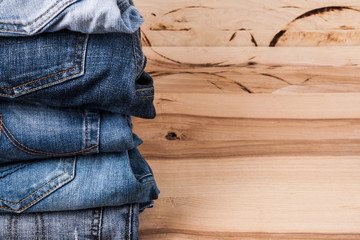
(250, 23)
(245, 70)
(258, 128)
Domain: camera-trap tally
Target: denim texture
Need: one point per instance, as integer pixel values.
(110, 223)
(68, 69)
(32, 131)
(73, 183)
(24, 18)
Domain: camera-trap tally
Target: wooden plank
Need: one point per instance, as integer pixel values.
(245, 70)
(227, 196)
(189, 136)
(196, 235)
(250, 22)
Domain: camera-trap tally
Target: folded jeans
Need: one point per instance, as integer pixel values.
(79, 182)
(110, 223)
(69, 69)
(33, 131)
(19, 18)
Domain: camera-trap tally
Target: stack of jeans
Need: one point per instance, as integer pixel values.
(72, 76)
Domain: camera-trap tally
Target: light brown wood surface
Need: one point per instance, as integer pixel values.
(258, 128)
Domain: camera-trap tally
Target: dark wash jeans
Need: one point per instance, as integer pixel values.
(110, 223)
(33, 131)
(69, 69)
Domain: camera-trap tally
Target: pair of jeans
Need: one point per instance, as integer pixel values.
(75, 70)
(91, 224)
(25, 18)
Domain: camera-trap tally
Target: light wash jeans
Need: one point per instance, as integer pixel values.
(25, 18)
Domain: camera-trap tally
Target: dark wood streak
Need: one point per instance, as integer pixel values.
(214, 84)
(162, 27)
(145, 39)
(276, 77)
(232, 37)
(187, 7)
(253, 40)
(313, 12)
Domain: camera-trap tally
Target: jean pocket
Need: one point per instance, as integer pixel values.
(23, 185)
(26, 18)
(42, 62)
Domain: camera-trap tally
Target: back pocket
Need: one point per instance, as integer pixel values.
(23, 185)
(28, 17)
(40, 61)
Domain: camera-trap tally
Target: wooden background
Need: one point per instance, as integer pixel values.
(258, 127)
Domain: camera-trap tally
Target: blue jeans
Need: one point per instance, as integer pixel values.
(73, 183)
(19, 18)
(68, 69)
(110, 223)
(32, 131)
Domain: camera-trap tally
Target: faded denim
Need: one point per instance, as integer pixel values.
(74, 183)
(67, 69)
(110, 223)
(25, 18)
(33, 131)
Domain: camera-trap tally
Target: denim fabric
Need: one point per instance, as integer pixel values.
(32, 131)
(74, 183)
(111, 223)
(67, 69)
(24, 18)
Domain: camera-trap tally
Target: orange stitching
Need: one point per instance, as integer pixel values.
(44, 193)
(36, 152)
(39, 188)
(150, 96)
(149, 182)
(143, 90)
(42, 226)
(39, 79)
(125, 9)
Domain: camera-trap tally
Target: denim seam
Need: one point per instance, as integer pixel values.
(143, 90)
(37, 152)
(152, 181)
(144, 176)
(36, 227)
(127, 224)
(42, 226)
(92, 224)
(19, 168)
(15, 226)
(125, 9)
(86, 129)
(9, 227)
(72, 167)
(51, 75)
(133, 43)
(41, 23)
(100, 223)
(150, 96)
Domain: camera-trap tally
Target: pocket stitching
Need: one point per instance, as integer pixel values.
(51, 75)
(36, 152)
(71, 175)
